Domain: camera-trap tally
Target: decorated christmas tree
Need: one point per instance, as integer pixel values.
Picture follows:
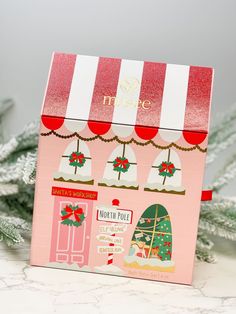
(153, 234)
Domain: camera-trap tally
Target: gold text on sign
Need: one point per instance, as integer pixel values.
(125, 102)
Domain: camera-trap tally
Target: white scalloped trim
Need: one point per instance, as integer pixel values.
(128, 184)
(68, 176)
(161, 187)
(64, 265)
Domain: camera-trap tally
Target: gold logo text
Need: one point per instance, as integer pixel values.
(125, 102)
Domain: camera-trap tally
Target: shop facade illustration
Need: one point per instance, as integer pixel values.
(125, 147)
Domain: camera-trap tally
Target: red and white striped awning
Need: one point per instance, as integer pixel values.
(146, 97)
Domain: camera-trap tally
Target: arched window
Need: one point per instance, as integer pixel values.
(166, 174)
(75, 165)
(121, 169)
(151, 243)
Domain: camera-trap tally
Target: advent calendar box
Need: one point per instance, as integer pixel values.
(120, 167)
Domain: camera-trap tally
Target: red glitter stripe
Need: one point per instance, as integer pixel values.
(105, 85)
(198, 99)
(59, 85)
(152, 87)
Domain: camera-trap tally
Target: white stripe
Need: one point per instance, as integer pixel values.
(169, 135)
(128, 90)
(48, 78)
(174, 97)
(82, 86)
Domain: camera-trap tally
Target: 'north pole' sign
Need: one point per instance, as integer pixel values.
(113, 214)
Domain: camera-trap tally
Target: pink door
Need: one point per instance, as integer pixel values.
(70, 244)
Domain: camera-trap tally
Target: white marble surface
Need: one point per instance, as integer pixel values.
(26, 289)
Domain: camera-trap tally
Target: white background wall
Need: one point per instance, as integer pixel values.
(198, 32)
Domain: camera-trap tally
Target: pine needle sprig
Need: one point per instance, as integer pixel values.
(222, 135)
(205, 255)
(227, 174)
(217, 223)
(11, 229)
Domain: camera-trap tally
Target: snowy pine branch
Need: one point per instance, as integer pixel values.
(223, 128)
(23, 167)
(227, 174)
(8, 189)
(204, 242)
(8, 148)
(222, 135)
(10, 230)
(204, 255)
(214, 152)
(217, 223)
(29, 168)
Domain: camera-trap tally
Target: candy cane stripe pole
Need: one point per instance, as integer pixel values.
(110, 255)
(115, 203)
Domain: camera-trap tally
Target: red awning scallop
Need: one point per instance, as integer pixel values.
(52, 123)
(194, 138)
(146, 133)
(99, 128)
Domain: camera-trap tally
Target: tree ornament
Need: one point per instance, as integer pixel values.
(166, 169)
(72, 216)
(141, 221)
(77, 159)
(147, 238)
(168, 253)
(163, 240)
(121, 164)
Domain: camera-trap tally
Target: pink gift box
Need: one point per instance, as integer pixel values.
(121, 160)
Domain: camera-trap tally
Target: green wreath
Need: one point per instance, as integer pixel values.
(121, 164)
(72, 216)
(166, 169)
(77, 159)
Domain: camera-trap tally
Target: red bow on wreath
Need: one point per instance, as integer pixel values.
(71, 212)
(121, 163)
(75, 157)
(167, 244)
(167, 167)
